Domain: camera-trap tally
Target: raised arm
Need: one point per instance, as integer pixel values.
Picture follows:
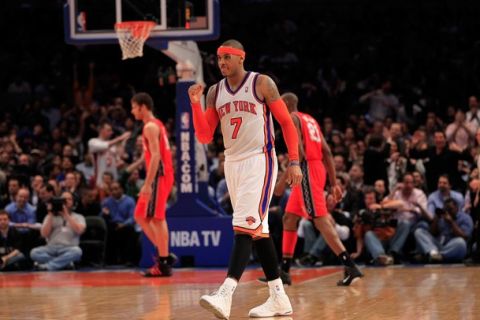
(267, 89)
(77, 226)
(97, 145)
(47, 224)
(364, 98)
(124, 136)
(204, 123)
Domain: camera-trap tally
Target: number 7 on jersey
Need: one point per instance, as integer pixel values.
(237, 122)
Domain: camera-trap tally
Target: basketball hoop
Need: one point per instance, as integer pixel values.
(132, 35)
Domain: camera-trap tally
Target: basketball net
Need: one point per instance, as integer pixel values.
(132, 35)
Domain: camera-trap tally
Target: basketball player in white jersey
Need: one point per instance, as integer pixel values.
(243, 102)
(105, 152)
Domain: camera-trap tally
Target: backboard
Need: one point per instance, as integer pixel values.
(92, 21)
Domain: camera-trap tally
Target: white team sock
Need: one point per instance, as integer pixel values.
(276, 286)
(229, 285)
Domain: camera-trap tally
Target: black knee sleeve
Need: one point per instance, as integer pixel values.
(242, 248)
(268, 258)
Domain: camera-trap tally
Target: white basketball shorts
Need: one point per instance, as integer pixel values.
(250, 183)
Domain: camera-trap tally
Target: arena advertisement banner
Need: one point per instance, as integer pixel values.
(202, 241)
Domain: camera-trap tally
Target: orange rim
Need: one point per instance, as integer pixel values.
(138, 29)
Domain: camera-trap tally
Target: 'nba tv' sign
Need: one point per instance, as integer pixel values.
(203, 238)
(206, 240)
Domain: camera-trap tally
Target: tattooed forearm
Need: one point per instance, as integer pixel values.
(269, 88)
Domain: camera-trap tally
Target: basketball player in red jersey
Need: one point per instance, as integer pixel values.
(308, 200)
(243, 103)
(152, 201)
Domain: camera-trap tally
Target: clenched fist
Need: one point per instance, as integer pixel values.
(195, 92)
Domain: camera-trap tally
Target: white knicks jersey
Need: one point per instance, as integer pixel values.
(246, 121)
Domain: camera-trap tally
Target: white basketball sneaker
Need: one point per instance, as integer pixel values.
(219, 302)
(277, 304)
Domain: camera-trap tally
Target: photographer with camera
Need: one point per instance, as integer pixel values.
(62, 229)
(447, 238)
(411, 213)
(375, 229)
(444, 191)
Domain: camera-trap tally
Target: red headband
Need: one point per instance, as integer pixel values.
(231, 50)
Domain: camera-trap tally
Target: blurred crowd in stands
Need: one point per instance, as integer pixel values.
(395, 90)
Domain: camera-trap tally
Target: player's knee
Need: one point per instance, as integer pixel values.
(158, 222)
(323, 223)
(290, 221)
(141, 220)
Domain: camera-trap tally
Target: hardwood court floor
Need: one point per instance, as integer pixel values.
(440, 292)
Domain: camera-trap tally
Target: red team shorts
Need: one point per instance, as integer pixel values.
(157, 206)
(308, 200)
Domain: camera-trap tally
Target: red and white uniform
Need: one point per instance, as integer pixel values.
(162, 183)
(250, 160)
(308, 200)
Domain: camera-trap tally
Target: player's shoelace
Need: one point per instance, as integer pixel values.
(221, 292)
